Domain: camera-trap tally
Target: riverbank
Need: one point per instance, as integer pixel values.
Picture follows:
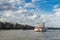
(6, 25)
(16, 26)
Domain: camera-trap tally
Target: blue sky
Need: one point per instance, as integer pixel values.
(45, 5)
(31, 11)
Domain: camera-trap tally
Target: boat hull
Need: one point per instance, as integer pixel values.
(40, 30)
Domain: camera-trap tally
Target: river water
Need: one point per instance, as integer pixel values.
(29, 35)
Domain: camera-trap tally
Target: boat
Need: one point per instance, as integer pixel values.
(40, 28)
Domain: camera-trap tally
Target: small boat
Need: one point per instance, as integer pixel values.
(40, 28)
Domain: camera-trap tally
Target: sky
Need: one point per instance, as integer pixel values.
(31, 12)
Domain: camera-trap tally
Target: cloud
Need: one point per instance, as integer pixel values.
(6, 6)
(51, 20)
(9, 13)
(57, 10)
(15, 11)
(29, 5)
(54, 22)
(32, 17)
(20, 16)
(57, 13)
(10, 4)
(40, 1)
(35, 0)
(21, 11)
(7, 16)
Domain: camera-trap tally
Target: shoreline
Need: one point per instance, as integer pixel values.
(28, 29)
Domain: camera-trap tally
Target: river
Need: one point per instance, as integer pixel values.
(29, 35)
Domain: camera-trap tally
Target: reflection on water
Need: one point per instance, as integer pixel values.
(29, 35)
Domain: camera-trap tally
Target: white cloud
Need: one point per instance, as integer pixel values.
(29, 5)
(35, 0)
(20, 14)
(32, 17)
(41, 1)
(50, 20)
(9, 13)
(21, 11)
(24, 16)
(11, 1)
(55, 6)
(57, 13)
(57, 10)
(10, 4)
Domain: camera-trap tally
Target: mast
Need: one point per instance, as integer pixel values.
(44, 24)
